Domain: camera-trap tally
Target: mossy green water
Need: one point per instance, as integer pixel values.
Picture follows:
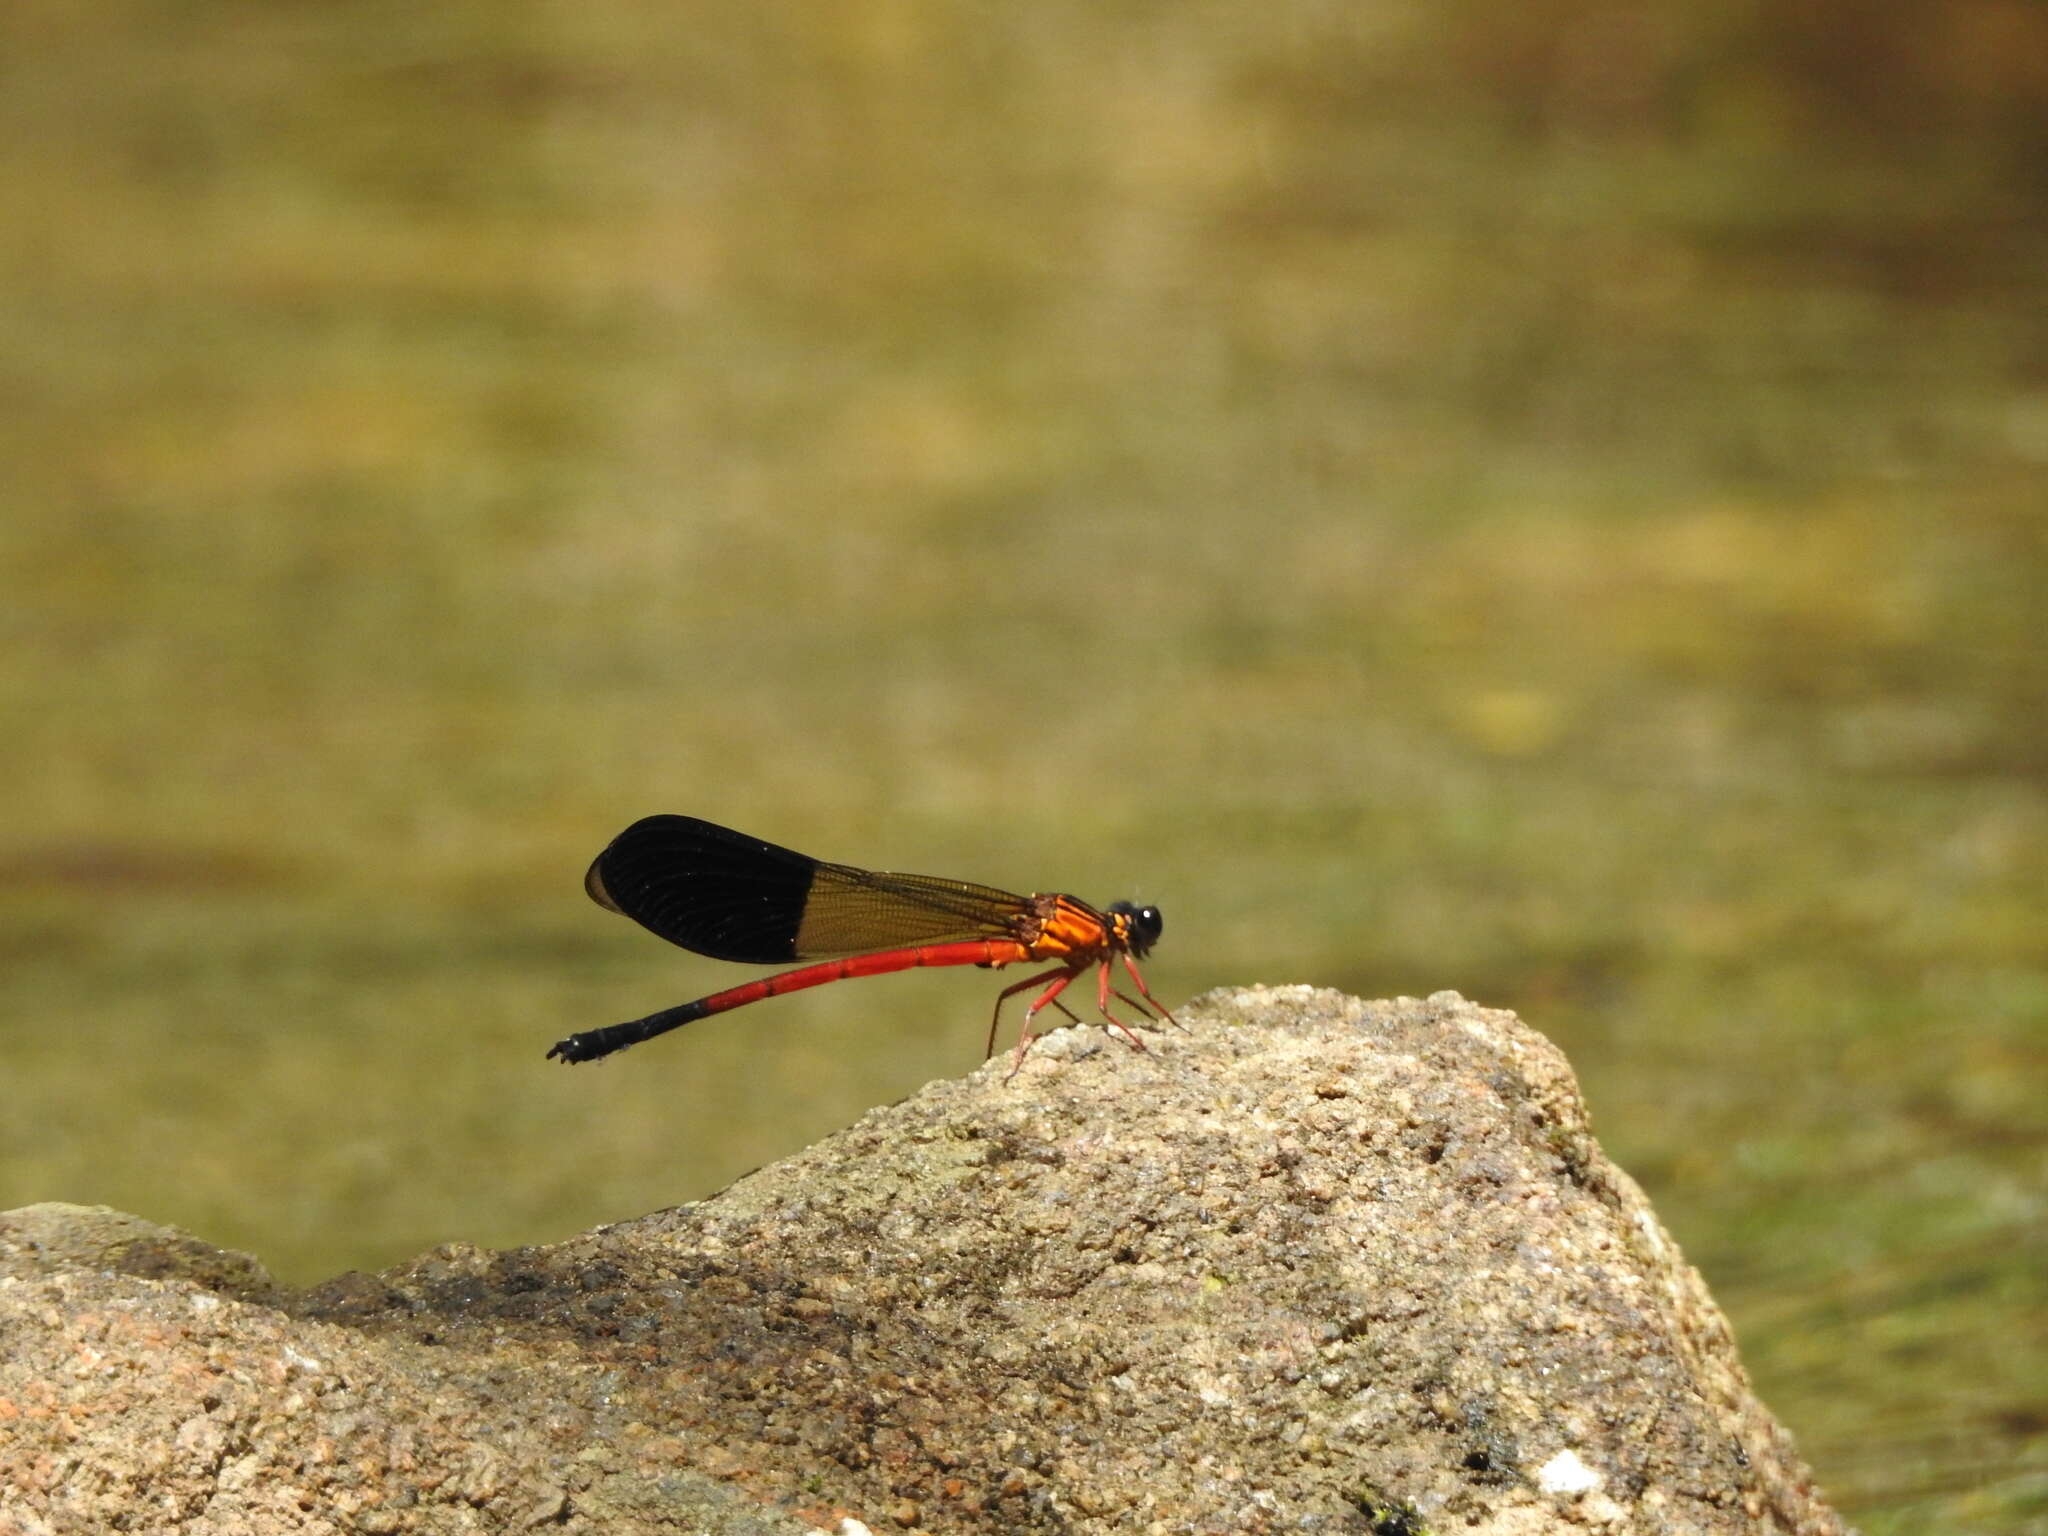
(1550, 508)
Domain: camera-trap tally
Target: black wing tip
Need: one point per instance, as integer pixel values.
(593, 886)
(669, 824)
(706, 888)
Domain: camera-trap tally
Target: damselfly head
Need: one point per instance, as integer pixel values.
(1142, 931)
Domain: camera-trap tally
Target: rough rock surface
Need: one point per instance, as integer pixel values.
(1313, 1265)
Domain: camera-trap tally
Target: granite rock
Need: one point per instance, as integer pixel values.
(1312, 1264)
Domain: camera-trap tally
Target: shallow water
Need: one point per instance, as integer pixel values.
(1552, 513)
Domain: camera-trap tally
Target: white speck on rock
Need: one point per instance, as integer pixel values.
(298, 1360)
(1565, 1473)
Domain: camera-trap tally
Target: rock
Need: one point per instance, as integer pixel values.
(1313, 1265)
(56, 1236)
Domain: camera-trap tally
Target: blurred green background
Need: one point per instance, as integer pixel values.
(1547, 502)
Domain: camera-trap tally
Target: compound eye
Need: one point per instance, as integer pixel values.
(1150, 923)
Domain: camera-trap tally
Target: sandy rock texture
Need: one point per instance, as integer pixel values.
(1312, 1265)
